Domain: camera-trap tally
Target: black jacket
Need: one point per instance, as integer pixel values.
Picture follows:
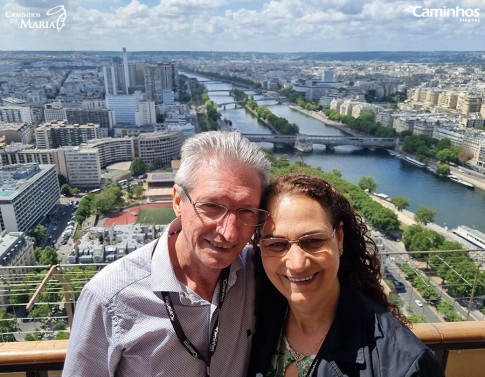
(365, 340)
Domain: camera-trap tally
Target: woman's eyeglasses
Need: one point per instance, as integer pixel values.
(310, 243)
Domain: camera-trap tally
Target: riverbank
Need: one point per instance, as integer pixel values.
(462, 173)
(468, 177)
(318, 115)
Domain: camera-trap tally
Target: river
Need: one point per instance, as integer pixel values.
(454, 204)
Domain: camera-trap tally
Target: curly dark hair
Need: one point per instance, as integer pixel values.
(360, 268)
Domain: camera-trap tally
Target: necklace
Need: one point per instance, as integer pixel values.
(299, 357)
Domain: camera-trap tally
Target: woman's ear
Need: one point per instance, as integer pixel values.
(339, 231)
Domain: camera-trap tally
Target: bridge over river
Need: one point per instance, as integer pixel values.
(305, 143)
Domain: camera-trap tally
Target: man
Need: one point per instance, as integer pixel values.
(182, 305)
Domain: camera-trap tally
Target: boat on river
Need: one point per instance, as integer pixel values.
(413, 161)
(471, 235)
(462, 182)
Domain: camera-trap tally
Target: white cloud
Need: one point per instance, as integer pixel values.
(275, 25)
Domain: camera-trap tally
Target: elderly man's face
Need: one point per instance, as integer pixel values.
(215, 244)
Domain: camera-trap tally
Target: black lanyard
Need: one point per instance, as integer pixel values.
(191, 349)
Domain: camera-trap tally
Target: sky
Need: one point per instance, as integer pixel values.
(243, 25)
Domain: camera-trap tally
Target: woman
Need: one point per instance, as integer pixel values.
(328, 315)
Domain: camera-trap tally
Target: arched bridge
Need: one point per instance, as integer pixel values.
(305, 142)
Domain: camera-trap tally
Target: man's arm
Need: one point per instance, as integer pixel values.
(91, 351)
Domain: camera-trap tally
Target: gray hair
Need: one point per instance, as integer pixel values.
(212, 146)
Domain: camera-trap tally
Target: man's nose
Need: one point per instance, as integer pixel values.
(228, 226)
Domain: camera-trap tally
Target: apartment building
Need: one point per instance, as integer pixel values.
(16, 249)
(59, 133)
(54, 111)
(145, 114)
(18, 114)
(83, 167)
(467, 103)
(28, 192)
(159, 77)
(448, 99)
(161, 147)
(17, 132)
(112, 150)
(124, 107)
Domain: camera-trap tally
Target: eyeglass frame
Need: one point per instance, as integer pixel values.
(262, 213)
(297, 241)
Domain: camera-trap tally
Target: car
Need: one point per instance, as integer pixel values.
(418, 302)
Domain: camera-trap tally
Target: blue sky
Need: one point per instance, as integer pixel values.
(244, 25)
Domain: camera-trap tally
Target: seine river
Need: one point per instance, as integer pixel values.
(454, 204)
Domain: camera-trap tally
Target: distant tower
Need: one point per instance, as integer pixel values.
(125, 65)
(110, 80)
(328, 76)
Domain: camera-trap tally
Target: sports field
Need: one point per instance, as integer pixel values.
(155, 213)
(157, 216)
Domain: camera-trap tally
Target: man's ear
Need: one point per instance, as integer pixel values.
(176, 201)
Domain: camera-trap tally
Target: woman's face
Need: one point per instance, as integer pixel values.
(300, 276)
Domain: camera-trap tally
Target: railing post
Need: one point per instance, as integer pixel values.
(472, 296)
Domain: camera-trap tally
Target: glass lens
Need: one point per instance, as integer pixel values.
(274, 246)
(210, 210)
(314, 242)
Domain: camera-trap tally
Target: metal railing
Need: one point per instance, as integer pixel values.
(445, 303)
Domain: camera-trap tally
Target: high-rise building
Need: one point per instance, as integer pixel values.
(124, 107)
(146, 113)
(83, 167)
(328, 76)
(29, 192)
(160, 77)
(125, 71)
(105, 118)
(59, 133)
(17, 114)
(161, 147)
(110, 86)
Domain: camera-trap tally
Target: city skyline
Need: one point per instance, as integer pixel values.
(243, 25)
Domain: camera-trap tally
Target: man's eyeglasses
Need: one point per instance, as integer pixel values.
(310, 243)
(213, 212)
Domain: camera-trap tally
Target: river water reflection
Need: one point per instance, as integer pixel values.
(455, 205)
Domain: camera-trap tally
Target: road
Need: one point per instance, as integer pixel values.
(398, 256)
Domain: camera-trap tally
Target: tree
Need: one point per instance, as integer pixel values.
(62, 180)
(138, 167)
(367, 183)
(47, 256)
(443, 169)
(337, 173)
(75, 191)
(401, 202)
(35, 335)
(107, 200)
(38, 234)
(8, 325)
(137, 191)
(65, 190)
(425, 215)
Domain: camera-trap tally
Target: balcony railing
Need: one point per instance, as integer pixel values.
(460, 346)
(37, 303)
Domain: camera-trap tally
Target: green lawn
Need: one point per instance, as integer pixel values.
(157, 216)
